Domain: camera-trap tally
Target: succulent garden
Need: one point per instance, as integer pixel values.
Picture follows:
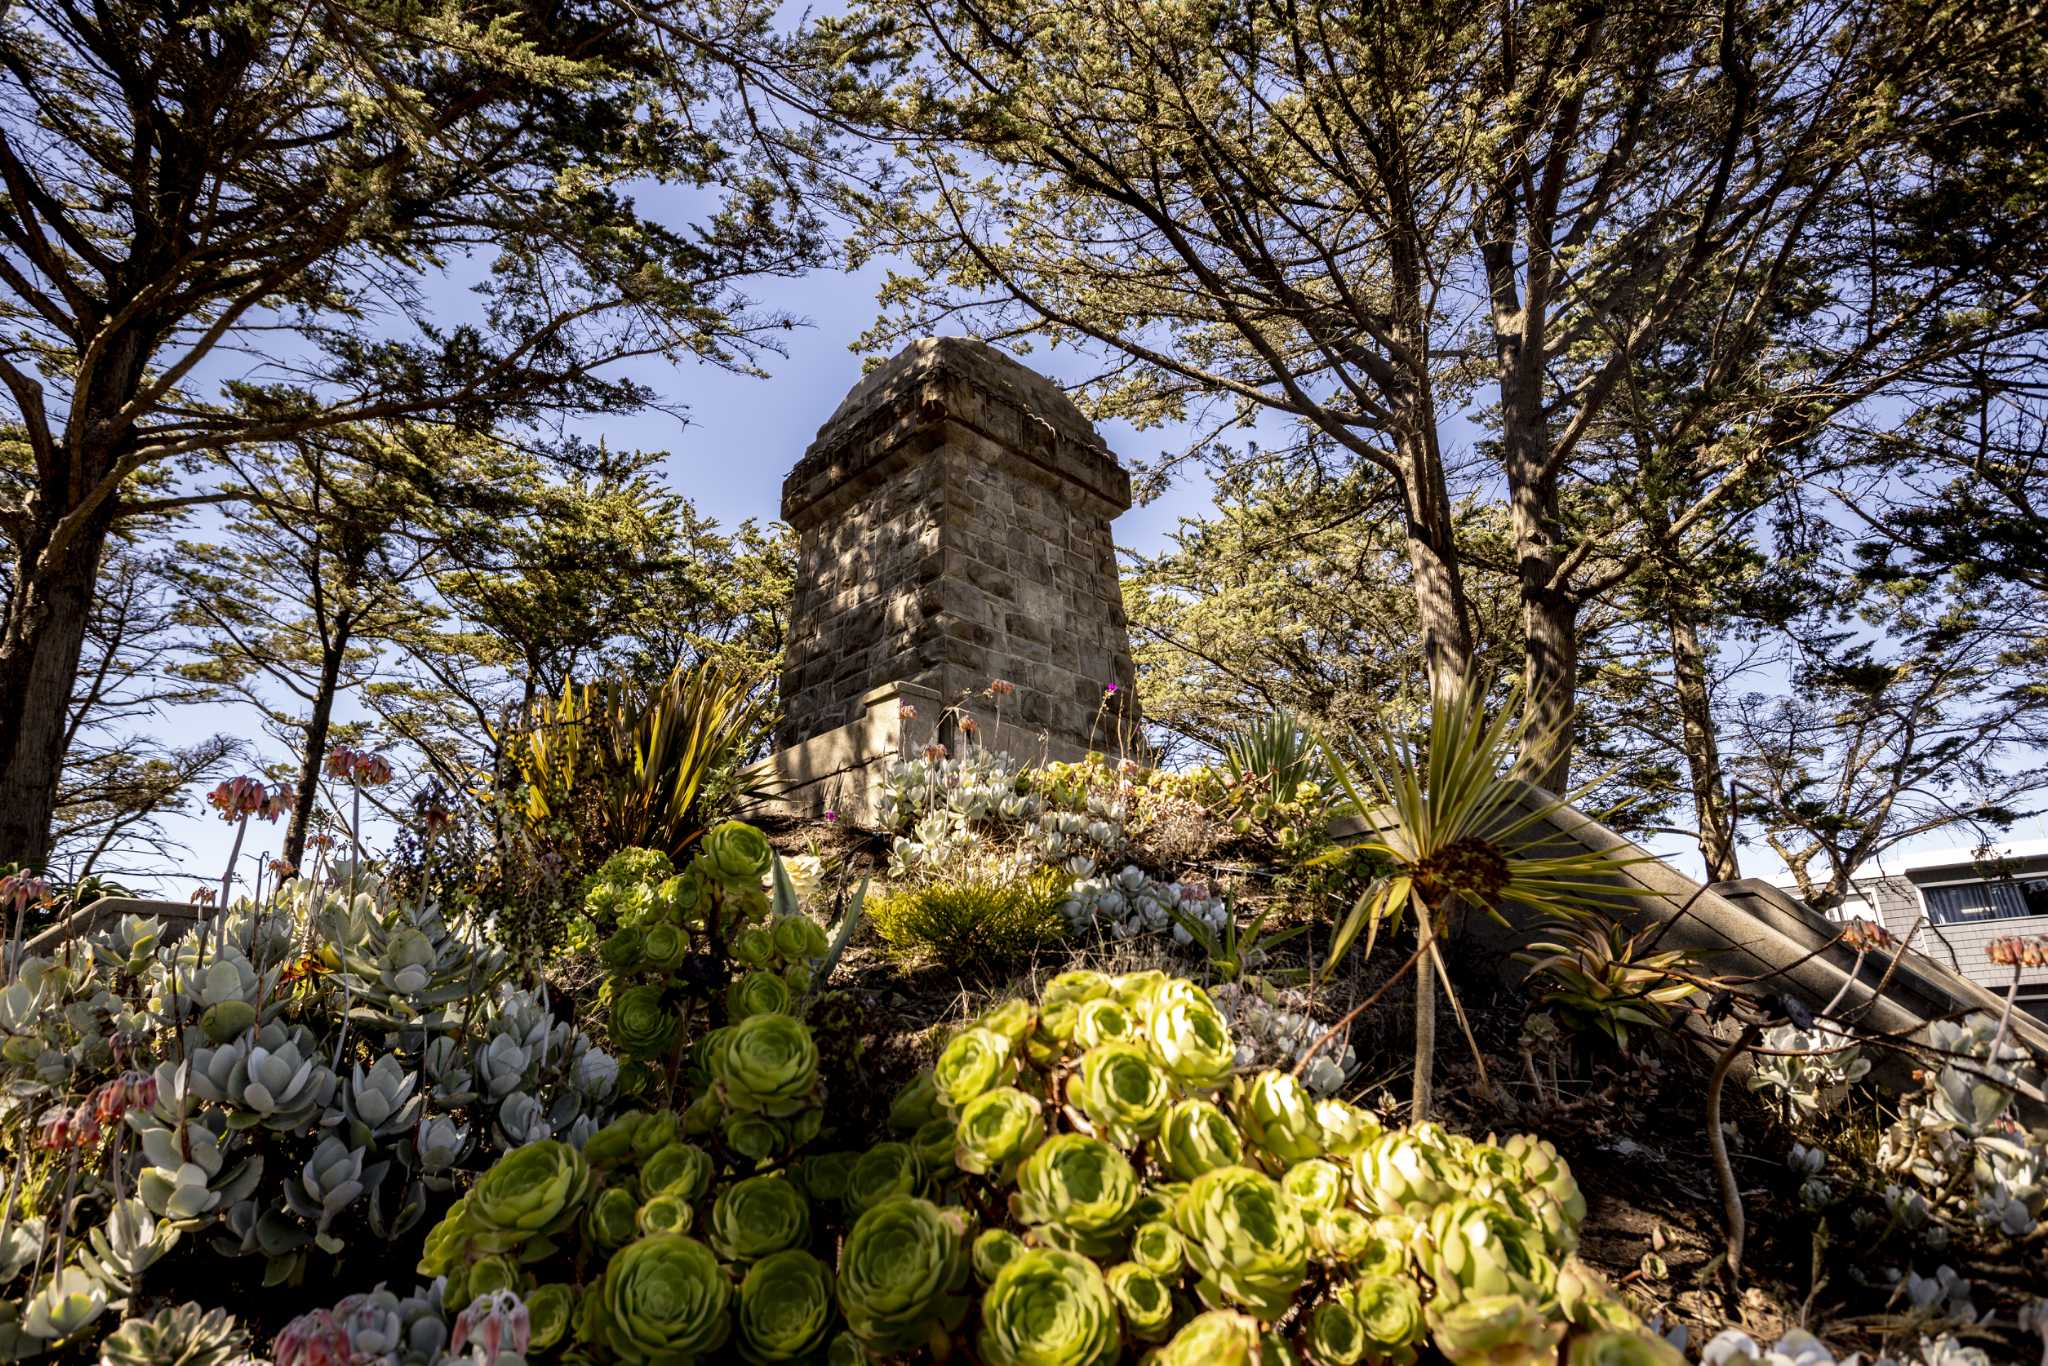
(1069, 1063)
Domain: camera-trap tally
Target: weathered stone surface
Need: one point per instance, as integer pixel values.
(953, 528)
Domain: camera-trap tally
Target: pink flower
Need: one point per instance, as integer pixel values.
(359, 768)
(1110, 691)
(23, 889)
(831, 815)
(239, 798)
(495, 1323)
(908, 712)
(53, 1130)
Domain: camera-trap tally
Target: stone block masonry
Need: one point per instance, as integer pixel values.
(953, 527)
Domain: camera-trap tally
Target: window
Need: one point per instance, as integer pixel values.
(1961, 903)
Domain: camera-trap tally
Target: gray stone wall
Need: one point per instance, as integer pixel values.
(953, 522)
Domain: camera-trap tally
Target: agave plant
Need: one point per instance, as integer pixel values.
(1601, 977)
(1450, 829)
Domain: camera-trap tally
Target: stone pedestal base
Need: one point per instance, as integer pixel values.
(841, 771)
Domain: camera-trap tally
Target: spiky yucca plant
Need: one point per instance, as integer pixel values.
(1441, 815)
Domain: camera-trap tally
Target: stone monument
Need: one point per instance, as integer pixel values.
(952, 523)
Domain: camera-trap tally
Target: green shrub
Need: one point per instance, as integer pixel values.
(963, 922)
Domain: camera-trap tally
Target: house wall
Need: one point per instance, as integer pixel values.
(1900, 900)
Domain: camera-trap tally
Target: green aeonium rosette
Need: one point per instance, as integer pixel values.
(881, 1173)
(1103, 1020)
(1156, 1247)
(1479, 1248)
(641, 1023)
(901, 1271)
(623, 951)
(1121, 1090)
(933, 1143)
(973, 1061)
(1389, 1313)
(1615, 1348)
(823, 1175)
(530, 1192)
(736, 852)
(754, 946)
(665, 1300)
(1188, 1034)
(766, 1064)
(1316, 1184)
(785, 1307)
(1195, 1137)
(1334, 1336)
(679, 1169)
(664, 946)
(609, 1223)
(1278, 1117)
(997, 1128)
(1346, 1129)
(1143, 1299)
(1048, 1308)
(1245, 1239)
(758, 1215)
(1078, 1190)
(798, 937)
(1401, 1173)
(757, 993)
(1493, 1330)
(994, 1249)
(1221, 1337)
(548, 1311)
(664, 1214)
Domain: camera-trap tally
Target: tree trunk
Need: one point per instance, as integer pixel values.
(1710, 802)
(40, 643)
(314, 753)
(1441, 610)
(1423, 1085)
(1550, 610)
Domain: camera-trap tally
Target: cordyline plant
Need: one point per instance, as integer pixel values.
(1454, 833)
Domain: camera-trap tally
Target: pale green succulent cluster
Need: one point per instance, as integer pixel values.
(1210, 1211)
(1078, 1180)
(982, 808)
(187, 1335)
(667, 933)
(276, 1085)
(1961, 1137)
